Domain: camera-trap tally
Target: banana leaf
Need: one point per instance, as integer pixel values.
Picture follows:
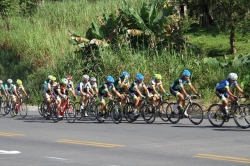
(73, 33)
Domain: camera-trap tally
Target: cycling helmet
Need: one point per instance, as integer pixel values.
(186, 73)
(85, 77)
(110, 79)
(139, 77)
(125, 74)
(69, 77)
(19, 82)
(9, 81)
(93, 79)
(158, 76)
(1, 81)
(50, 76)
(53, 78)
(233, 76)
(64, 81)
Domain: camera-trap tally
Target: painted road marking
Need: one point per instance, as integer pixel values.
(9, 152)
(225, 158)
(89, 143)
(10, 134)
(56, 158)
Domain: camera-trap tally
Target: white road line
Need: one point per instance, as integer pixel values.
(56, 158)
(9, 152)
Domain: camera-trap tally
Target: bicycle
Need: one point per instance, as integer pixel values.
(68, 111)
(20, 107)
(112, 109)
(160, 109)
(3, 104)
(240, 113)
(89, 109)
(194, 111)
(147, 111)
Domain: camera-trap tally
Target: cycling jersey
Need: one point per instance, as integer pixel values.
(221, 87)
(132, 88)
(118, 82)
(49, 87)
(94, 86)
(104, 87)
(55, 92)
(176, 85)
(153, 83)
(85, 86)
(10, 88)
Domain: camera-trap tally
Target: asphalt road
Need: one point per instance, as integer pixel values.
(34, 141)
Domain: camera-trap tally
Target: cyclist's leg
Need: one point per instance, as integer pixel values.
(223, 97)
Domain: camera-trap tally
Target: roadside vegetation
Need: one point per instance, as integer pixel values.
(48, 42)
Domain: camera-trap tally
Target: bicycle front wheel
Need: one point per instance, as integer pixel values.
(78, 110)
(3, 106)
(53, 113)
(91, 111)
(23, 110)
(242, 116)
(162, 111)
(70, 113)
(100, 115)
(195, 113)
(173, 113)
(116, 113)
(215, 115)
(128, 112)
(148, 113)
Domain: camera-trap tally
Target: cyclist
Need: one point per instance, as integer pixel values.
(153, 87)
(59, 91)
(2, 87)
(83, 90)
(9, 89)
(177, 89)
(105, 91)
(16, 91)
(70, 86)
(47, 92)
(223, 90)
(122, 84)
(93, 84)
(44, 85)
(135, 91)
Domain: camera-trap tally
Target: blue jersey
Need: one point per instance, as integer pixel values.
(221, 87)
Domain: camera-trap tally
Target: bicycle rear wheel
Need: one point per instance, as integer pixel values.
(99, 113)
(173, 113)
(23, 110)
(78, 110)
(70, 113)
(195, 113)
(148, 113)
(128, 112)
(215, 115)
(91, 111)
(116, 113)
(3, 105)
(12, 111)
(40, 108)
(53, 113)
(162, 111)
(242, 116)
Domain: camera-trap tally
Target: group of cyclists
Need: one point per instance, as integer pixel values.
(87, 88)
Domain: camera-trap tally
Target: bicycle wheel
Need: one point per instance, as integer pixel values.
(53, 113)
(116, 113)
(162, 111)
(173, 113)
(78, 110)
(12, 111)
(195, 113)
(215, 115)
(70, 113)
(23, 110)
(128, 112)
(3, 106)
(241, 116)
(91, 111)
(148, 113)
(99, 113)
(40, 108)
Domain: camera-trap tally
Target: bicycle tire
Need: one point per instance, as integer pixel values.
(40, 110)
(241, 116)
(70, 113)
(23, 110)
(172, 114)
(215, 116)
(128, 112)
(53, 113)
(99, 115)
(91, 111)
(162, 111)
(78, 110)
(3, 106)
(195, 113)
(12, 111)
(148, 113)
(116, 113)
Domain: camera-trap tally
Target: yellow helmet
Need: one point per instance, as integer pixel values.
(19, 82)
(158, 76)
(53, 78)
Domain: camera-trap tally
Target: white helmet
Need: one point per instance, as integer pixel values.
(93, 79)
(50, 76)
(9, 81)
(85, 77)
(232, 76)
(1, 81)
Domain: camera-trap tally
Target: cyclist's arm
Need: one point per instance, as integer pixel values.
(138, 91)
(59, 92)
(15, 92)
(230, 93)
(153, 87)
(117, 93)
(240, 90)
(192, 88)
(162, 89)
(146, 89)
(108, 94)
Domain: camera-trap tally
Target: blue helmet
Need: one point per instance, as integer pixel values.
(186, 73)
(139, 77)
(125, 74)
(110, 79)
